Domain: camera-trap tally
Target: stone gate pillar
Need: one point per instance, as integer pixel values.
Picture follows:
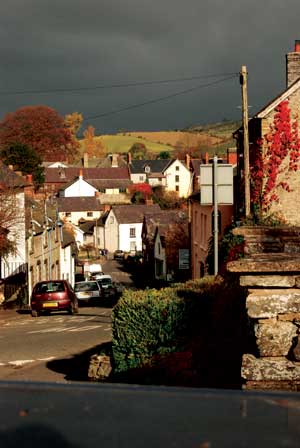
(271, 273)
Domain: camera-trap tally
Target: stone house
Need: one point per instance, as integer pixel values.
(263, 130)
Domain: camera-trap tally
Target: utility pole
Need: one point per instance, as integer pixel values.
(243, 82)
(215, 200)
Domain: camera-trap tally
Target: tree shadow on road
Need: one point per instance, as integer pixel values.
(75, 368)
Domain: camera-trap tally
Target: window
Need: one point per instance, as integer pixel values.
(177, 188)
(132, 232)
(141, 178)
(132, 246)
(176, 178)
(89, 214)
(68, 214)
(177, 168)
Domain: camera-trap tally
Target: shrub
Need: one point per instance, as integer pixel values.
(153, 322)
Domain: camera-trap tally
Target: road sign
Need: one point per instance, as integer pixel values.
(184, 259)
(224, 184)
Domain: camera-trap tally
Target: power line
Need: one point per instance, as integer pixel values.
(162, 98)
(114, 86)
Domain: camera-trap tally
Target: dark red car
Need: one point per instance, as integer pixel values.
(53, 295)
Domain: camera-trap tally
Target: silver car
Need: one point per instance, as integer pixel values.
(87, 292)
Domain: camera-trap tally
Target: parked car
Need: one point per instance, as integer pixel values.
(88, 292)
(53, 295)
(96, 275)
(106, 286)
(119, 255)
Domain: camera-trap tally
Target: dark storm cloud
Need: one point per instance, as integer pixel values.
(70, 43)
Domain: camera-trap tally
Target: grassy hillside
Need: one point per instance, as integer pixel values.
(214, 138)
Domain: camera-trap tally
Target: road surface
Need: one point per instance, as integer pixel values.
(29, 344)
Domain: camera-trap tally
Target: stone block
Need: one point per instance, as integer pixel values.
(269, 369)
(100, 367)
(290, 317)
(269, 303)
(275, 339)
(269, 281)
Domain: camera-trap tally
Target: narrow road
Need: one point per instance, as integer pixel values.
(29, 345)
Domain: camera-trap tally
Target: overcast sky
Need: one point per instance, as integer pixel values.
(78, 44)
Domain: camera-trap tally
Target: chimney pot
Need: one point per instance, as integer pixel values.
(297, 46)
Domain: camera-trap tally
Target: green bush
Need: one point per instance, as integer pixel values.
(152, 322)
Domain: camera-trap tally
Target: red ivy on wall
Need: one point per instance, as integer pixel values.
(278, 151)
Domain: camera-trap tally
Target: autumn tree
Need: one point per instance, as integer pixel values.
(167, 200)
(9, 218)
(42, 129)
(24, 159)
(73, 122)
(140, 192)
(176, 237)
(92, 145)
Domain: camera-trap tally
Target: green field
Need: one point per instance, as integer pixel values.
(122, 144)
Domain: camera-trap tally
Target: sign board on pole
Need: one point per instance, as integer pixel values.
(224, 184)
(184, 259)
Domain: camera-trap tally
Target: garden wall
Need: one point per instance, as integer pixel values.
(271, 273)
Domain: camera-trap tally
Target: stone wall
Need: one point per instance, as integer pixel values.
(271, 273)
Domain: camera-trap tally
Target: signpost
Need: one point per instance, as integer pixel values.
(184, 259)
(216, 187)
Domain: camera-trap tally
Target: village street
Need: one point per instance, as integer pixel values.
(55, 347)
(29, 345)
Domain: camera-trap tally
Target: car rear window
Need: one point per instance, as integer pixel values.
(86, 286)
(104, 281)
(41, 288)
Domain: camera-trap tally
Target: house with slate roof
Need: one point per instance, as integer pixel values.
(261, 126)
(76, 208)
(111, 179)
(171, 174)
(123, 226)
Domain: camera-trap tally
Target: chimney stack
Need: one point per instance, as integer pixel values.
(293, 64)
(188, 160)
(114, 161)
(85, 160)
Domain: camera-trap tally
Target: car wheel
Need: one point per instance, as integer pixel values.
(34, 313)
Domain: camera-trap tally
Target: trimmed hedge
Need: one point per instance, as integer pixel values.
(153, 322)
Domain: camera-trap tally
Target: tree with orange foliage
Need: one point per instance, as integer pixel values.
(73, 122)
(92, 146)
(42, 129)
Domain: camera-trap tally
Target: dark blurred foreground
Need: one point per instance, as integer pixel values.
(46, 415)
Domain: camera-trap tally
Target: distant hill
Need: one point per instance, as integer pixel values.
(213, 138)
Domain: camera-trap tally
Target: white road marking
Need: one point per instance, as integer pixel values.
(46, 359)
(20, 362)
(51, 330)
(91, 327)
